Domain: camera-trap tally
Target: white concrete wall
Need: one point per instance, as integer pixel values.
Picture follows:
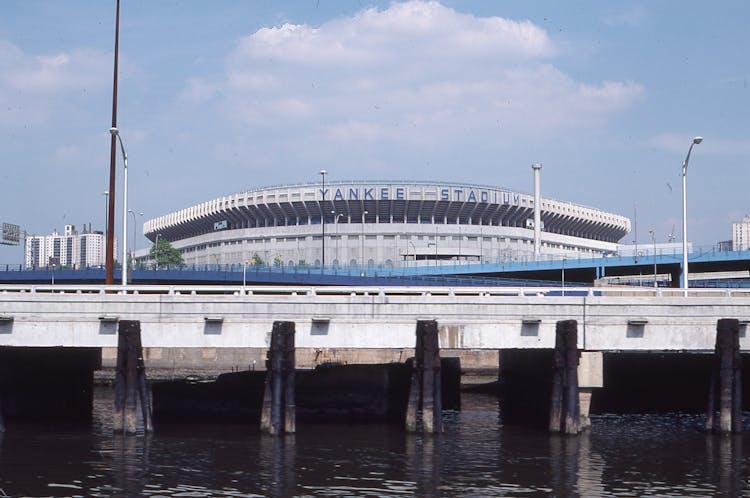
(335, 317)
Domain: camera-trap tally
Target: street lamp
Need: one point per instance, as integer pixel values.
(653, 240)
(106, 205)
(156, 251)
(696, 141)
(132, 251)
(116, 133)
(336, 220)
(364, 213)
(323, 218)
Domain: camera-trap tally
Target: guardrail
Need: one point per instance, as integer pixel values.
(302, 290)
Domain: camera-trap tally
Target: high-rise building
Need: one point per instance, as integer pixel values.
(741, 234)
(71, 248)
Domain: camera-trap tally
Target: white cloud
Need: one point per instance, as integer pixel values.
(30, 85)
(414, 72)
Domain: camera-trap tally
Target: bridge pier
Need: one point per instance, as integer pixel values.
(425, 391)
(130, 380)
(726, 374)
(565, 406)
(278, 411)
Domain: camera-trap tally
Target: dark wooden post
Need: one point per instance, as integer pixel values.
(558, 374)
(131, 328)
(565, 412)
(278, 414)
(120, 378)
(425, 391)
(2, 412)
(148, 424)
(727, 374)
(572, 407)
(130, 380)
(736, 378)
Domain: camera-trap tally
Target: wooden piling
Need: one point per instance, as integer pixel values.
(425, 392)
(572, 404)
(278, 413)
(148, 425)
(565, 412)
(131, 328)
(2, 413)
(558, 373)
(120, 379)
(727, 376)
(130, 380)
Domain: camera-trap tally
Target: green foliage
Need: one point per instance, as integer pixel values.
(165, 254)
(256, 260)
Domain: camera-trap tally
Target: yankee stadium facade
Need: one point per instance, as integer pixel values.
(363, 223)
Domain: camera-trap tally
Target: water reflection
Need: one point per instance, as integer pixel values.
(633, 455)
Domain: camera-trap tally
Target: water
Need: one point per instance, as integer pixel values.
(644, 455)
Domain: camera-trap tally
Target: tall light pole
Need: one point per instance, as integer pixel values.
(132, 251)
(110, 256)
(537, 168)
(653, 240)
(336, 221)
(116, 133)
(156, 251)
(696, 141)
(364, 213)
(323, 218)
(106, 206)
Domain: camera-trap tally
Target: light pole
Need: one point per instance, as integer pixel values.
(116, 133)
(336, 220)
(132, 251)
(364, 213)
(414, 249)
(156, 251)
(653, 240)
(323, 218)
(110, 256)
(106, 205)
(696, 141)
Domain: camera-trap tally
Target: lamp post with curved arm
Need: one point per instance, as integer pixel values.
(132, 251)
(684, 275)
(115, 132)
(323, 219)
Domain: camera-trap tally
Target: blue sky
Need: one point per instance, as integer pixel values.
(220, 97)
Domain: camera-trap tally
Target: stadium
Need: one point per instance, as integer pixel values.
(383, 224)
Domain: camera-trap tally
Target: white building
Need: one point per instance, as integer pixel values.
(71, 248)
(396, 223)
(741, 235)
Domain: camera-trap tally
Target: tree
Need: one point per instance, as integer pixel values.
(164, 254)
(257, 260)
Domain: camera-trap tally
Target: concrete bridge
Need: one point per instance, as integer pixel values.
(609, 319)
(535, 332)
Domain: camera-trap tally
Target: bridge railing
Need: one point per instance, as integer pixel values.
(302, 290)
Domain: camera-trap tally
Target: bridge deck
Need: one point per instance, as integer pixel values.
(610, 319)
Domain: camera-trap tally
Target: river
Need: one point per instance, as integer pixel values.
(633, 455)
